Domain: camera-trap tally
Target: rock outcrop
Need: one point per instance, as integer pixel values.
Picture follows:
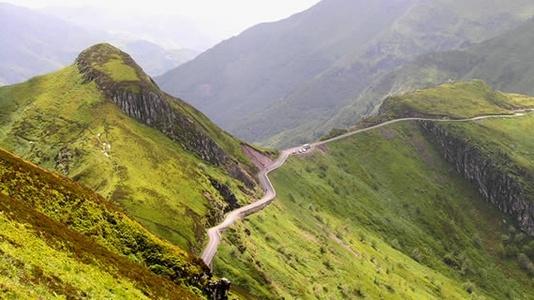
(227, 194)
(499, 181)
(218, 290)
(145, 102)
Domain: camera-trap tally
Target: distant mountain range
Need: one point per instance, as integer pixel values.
(36, 43)
(278, 83)
(505, 62)
(171, 30)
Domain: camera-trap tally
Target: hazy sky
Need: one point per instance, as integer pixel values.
(223, 18)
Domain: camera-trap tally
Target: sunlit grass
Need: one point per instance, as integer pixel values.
(160, 184)
(27, 257)
(119, 71)
(379, 215)
(456, 100)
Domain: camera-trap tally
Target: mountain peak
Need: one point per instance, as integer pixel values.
(107, 64)
(103, 53)
(124, 83)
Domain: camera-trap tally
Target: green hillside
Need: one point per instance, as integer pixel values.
(455, 100)
(176, 175)
(61, 240)
(384, 215)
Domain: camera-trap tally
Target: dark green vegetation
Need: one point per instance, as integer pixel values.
(288, 80)
(58, 238)
(169, 179)
(384, 215)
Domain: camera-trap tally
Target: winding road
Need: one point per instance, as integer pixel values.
(214, 233)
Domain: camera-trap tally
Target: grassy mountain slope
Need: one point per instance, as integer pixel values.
(60, 239)
(494, 159)
(383, 215)
(286, 79)
(427, 26)
(503, 62)
(66, 123)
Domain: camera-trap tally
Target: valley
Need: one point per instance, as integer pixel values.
(375, 200)
(214, 233)
(373, 171)
(326, 60)
(356, 149)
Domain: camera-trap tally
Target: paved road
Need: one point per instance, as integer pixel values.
(214, 233)
(513, 114)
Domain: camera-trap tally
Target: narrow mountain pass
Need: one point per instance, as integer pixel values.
(214, 233)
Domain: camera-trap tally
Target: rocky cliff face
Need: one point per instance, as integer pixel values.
(499, 184)
(143, 101)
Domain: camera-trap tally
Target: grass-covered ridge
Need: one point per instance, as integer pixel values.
(378, 215)
(62, 238)
(63, 123)
(510, 137)
(455, 100)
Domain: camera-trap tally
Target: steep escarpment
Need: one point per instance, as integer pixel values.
(125, 83)
(480, 153)
(498, 180)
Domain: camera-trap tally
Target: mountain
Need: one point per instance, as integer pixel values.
(36, 43)
(285, 79)
(60, 239)
(411, 210)
(154, 59)
(103, 122)
(40, 43)
(503, 62)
